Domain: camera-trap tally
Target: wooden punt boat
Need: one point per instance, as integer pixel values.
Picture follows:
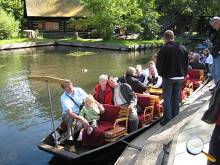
(87, 154)
(114, 141)
(78, 153)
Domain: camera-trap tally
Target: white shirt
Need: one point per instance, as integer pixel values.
(66, 103)
(209, 59)
(118, 98)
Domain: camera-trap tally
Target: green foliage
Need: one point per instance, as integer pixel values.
(14, 7)
(188, 7)
(79, 54)
(9, 27)
(127, 14)
(149, 19)
(196, 12)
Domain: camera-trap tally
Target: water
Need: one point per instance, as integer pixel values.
(24, 114)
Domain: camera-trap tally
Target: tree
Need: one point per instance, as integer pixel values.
(196, 9)
(9, 27)
(149, 18)
(109, 14)
(15, 8)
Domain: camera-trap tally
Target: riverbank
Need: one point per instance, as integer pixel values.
(121, 45)
(159, 143)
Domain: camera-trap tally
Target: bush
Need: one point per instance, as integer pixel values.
(9, 27)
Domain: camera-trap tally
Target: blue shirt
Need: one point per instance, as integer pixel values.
(78, 96)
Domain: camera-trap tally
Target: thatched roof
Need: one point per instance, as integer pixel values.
(55, 8)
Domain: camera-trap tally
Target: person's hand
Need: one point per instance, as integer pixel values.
(84, 122)
(101, 108)
(130, 108)
(93, 92)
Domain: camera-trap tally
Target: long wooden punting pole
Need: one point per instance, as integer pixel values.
(48, 80)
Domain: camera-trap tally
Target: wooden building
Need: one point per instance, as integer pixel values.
(49, 16)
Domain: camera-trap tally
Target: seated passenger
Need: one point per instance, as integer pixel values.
(102, 91)
(152, 79)
(71, 101)
(146, 71)
(208, 60)
(195, 63)
(190, 55)
(91, 112)
(154, 58)
(130, 78)
(139, 73)
(124, 95)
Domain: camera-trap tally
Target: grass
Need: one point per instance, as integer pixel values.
(121, 42)
(20, 40)
(97, 41)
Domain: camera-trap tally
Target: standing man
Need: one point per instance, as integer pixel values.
(71, 101)
(172, 64)
(212, 115)
(215, 39)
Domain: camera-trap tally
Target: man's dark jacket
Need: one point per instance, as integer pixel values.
(135, 84)
(172, 60)
(128, 94)
(197, 65)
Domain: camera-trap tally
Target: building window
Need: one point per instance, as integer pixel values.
(52, 26)
(40, 26)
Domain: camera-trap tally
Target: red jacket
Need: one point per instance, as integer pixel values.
(107, 94)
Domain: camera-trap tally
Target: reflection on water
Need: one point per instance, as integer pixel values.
(24, 113)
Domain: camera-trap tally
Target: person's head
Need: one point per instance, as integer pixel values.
(130, 71)
(152, 69)
(112, 81)
(168, 36)
(215, 22)
(139, 70)
(103, 80)
(67, 86)
(150, 63)
(196, 57)
(89, 101)
(206, 52)
(190, 55)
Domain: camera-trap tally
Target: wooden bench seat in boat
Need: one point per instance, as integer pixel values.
(114, 122)
(151, 108)
(186, 89)
(196, 76)
(155, 91)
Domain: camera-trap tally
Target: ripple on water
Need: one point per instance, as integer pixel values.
(18, 104)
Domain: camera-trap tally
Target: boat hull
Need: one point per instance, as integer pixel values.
(102, 154)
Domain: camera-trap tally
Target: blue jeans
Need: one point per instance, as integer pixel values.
(215, 70)
(171, 96)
